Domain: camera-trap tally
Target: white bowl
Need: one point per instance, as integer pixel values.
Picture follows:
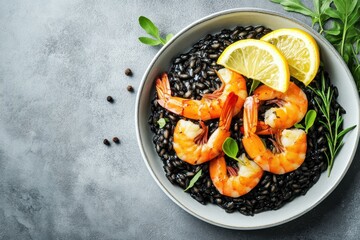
(339, 74)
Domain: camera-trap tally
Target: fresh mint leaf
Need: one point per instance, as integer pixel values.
(194, 180)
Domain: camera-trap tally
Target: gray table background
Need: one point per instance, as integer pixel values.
(58, 62)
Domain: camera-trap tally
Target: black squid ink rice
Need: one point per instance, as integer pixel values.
(191, 75)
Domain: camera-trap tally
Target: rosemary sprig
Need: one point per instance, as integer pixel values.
(334, 134)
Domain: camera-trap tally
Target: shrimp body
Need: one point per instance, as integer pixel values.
(235, 185)
(210, 105)
(191, 142)
(290, 144)
(292, 106)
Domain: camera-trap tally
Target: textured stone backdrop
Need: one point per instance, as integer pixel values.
(58, 62)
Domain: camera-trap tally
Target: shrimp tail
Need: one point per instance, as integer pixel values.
(227, 112)
(252, 144)
(261, 129)
(217, 93)
(164, 96)
(264, 129)
(250, 115)
(163, 89)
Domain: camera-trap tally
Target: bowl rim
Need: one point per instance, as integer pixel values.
(168, 44)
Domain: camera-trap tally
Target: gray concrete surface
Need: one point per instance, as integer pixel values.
(58, 62)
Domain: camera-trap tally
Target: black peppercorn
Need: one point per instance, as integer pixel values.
(110, 99)
(116, 140)
(128, 72)
(130, 88)
(106, 142)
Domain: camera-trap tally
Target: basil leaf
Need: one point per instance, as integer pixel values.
(149, 26)
(149, 41)
(230, 147)
(194, 180)
(310, 119)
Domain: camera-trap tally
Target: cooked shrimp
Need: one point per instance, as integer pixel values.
(292, 106)
(191, 142)
(239, 182)
(210, 105)
(290, 144)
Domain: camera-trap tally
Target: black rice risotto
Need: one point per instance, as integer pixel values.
(191, 75)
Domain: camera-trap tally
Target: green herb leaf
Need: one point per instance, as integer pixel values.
(299, 125)
(162, 122)
(153, 31)
(168, 37)
(334, 134)
(149, 41)
(194, 180)
(309, 119)
(335, 31)
(345, 131)
(320, 16)
(254, 85)
(149, 26)
(230, 147)
(295, 6)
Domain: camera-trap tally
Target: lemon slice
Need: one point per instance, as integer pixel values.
(257, 60)
(300, 50)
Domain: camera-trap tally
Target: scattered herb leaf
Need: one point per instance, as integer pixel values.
(254, 85)
(194, 180)
(343, 31)
(151, 29)
(149, 41)
(168, 37)
(162, 122)
(299, 125)
(333, 134)
(230, 147)
(310, 119)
